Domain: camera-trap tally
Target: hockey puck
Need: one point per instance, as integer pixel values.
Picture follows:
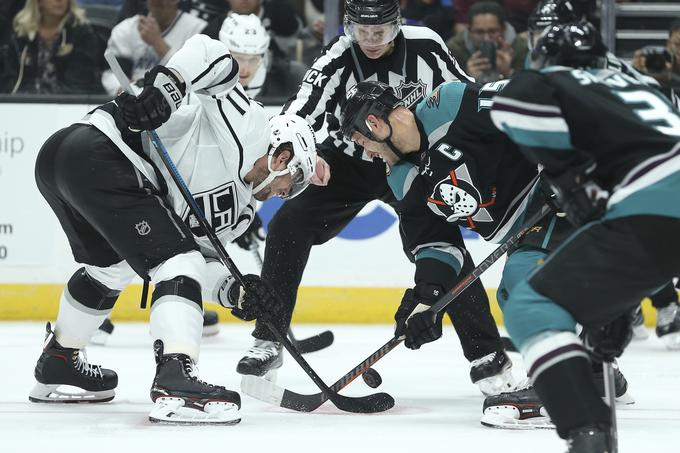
(372, 378)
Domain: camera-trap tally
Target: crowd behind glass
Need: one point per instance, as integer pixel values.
(57, 46)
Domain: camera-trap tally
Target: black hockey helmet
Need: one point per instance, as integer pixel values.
(367, 98)
(577, 45)
(382, 16)
(547, 13)
(372, 12)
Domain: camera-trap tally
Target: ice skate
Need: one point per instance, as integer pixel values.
(263, 360)
(623, 397)
(103, 333)
(668, 326)
(493, 373)
(589, 439)
(521, 409)
(211, 323)
(181, 398)
(64, 376)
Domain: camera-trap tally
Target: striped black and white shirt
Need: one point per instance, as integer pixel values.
(214, 139)
(419, 63)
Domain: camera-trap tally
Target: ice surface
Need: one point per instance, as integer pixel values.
(437, 407)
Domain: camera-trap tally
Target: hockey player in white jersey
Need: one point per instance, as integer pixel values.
(123, 216)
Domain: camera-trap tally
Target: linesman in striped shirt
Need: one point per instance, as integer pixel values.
(413, 61)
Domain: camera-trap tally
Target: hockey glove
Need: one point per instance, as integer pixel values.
(577, 195)
(607, 342)
(250, 301)
(414, 322)
(254, 234)
(162, 95)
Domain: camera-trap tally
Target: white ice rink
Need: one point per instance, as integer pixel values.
(437, 409)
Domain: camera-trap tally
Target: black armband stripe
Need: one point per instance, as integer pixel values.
(240, 94)
(212, 65)
(236, 106)
(229, 78)
(238, 143)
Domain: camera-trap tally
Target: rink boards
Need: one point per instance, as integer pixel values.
(358, 277)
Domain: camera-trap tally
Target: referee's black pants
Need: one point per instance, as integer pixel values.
(319, 214)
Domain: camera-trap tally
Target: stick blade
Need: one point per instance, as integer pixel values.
(316, 343)
(370, 404)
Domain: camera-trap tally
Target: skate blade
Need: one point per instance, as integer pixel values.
(672, 341)
(172, 411)
(209, 331)
(497, 384)
(60, 393)
(625, 399)
(508, 418)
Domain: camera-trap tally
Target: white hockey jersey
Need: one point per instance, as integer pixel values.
(214, 140)
(126, 42)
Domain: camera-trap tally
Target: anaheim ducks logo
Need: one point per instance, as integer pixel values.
(411, 93)
(455, 197)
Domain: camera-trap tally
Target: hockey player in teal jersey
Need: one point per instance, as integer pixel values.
(449, 167)
(610, 150)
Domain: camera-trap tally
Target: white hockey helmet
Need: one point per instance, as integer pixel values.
(244, 34)
(295, 130)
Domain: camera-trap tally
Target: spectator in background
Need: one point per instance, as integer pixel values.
(516, 11)
(662, 62)
(278, 18)
(142, 42)
(431, 14)
(262, 74)
(486, 36)
(310, 38)
(203, 9)
(49, 49)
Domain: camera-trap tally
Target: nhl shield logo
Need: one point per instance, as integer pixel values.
(411, 93)
(143, 228)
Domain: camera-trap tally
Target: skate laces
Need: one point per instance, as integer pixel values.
(192, 370)
(666, 315)
(263, 350)
(81, 365)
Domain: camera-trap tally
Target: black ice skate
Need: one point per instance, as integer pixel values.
(211, 323)
(492, 373)
(521, 409)
(668, 325)
(64, 376)
(263, 359)
(589, 439)
(181, 398)
(102, 334)
(623, 397)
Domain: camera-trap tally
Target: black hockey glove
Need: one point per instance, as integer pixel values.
(577, 195)
(254, 234)
(607, 342)
(414, 321)
(255, 299)
(162, 95)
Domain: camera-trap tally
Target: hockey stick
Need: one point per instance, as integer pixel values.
(610, 395)
(271, 393)
(306, 345)
(366, 404)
